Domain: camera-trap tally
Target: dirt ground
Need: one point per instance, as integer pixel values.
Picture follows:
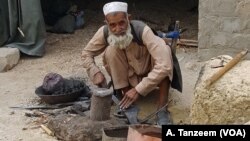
(62, 56)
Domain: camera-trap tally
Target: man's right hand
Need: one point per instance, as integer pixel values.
(100, 80)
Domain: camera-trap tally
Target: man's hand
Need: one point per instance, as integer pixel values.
(128, 98)
(100, 80)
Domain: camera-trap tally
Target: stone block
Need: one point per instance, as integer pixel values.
(208, 24)
(243, 9)
(204, 8)
(223, 8)
(9, 57)
(219, 39)
(231, 24)
(226, 101)
(203, 41)
(239, 41)
(246, 25)
(224, 27)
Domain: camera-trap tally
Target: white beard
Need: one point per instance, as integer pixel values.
(121, 41)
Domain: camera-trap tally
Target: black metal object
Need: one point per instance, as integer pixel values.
(55, 106)
(70, 92)
(153, 114)
(131, 113)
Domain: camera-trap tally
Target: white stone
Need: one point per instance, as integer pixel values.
(227, 101)
(9, 57)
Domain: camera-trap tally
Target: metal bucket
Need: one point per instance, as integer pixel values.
(144, 133)
(115, 133)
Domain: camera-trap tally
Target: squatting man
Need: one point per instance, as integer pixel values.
(135, 69)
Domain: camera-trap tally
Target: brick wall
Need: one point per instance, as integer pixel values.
(224, 27)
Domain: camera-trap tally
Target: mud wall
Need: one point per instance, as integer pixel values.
(224, 27)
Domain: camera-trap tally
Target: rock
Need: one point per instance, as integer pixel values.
(9, 57)
(227, 101)
(80, 128)
(220, 61)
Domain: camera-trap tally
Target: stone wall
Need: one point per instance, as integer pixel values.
(224, 27)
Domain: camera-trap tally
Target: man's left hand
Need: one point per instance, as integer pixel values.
(129, 97)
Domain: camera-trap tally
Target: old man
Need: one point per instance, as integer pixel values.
(135, 68)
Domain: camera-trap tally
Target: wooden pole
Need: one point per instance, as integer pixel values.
(226, 68)
(47, 130)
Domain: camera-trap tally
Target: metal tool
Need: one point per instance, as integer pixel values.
(153, 114)
(20, 19)
(55, 106)
(130, 113)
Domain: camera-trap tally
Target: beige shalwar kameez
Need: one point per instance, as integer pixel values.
(131, 66)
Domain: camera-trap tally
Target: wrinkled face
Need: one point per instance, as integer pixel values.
(117, 22)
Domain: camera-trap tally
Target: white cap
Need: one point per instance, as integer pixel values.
(115, 7)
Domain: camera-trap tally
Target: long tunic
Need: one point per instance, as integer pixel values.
(142, 67)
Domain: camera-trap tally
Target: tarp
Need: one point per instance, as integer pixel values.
(27, 15)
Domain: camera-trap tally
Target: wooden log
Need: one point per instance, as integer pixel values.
(226, 68)
(187, 44)
(47, 130)
(188, 41)
(182, 42)
(100, 104)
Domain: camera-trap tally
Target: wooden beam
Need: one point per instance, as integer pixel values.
(226, 68)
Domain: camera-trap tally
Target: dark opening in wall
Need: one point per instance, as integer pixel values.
(158, 13)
